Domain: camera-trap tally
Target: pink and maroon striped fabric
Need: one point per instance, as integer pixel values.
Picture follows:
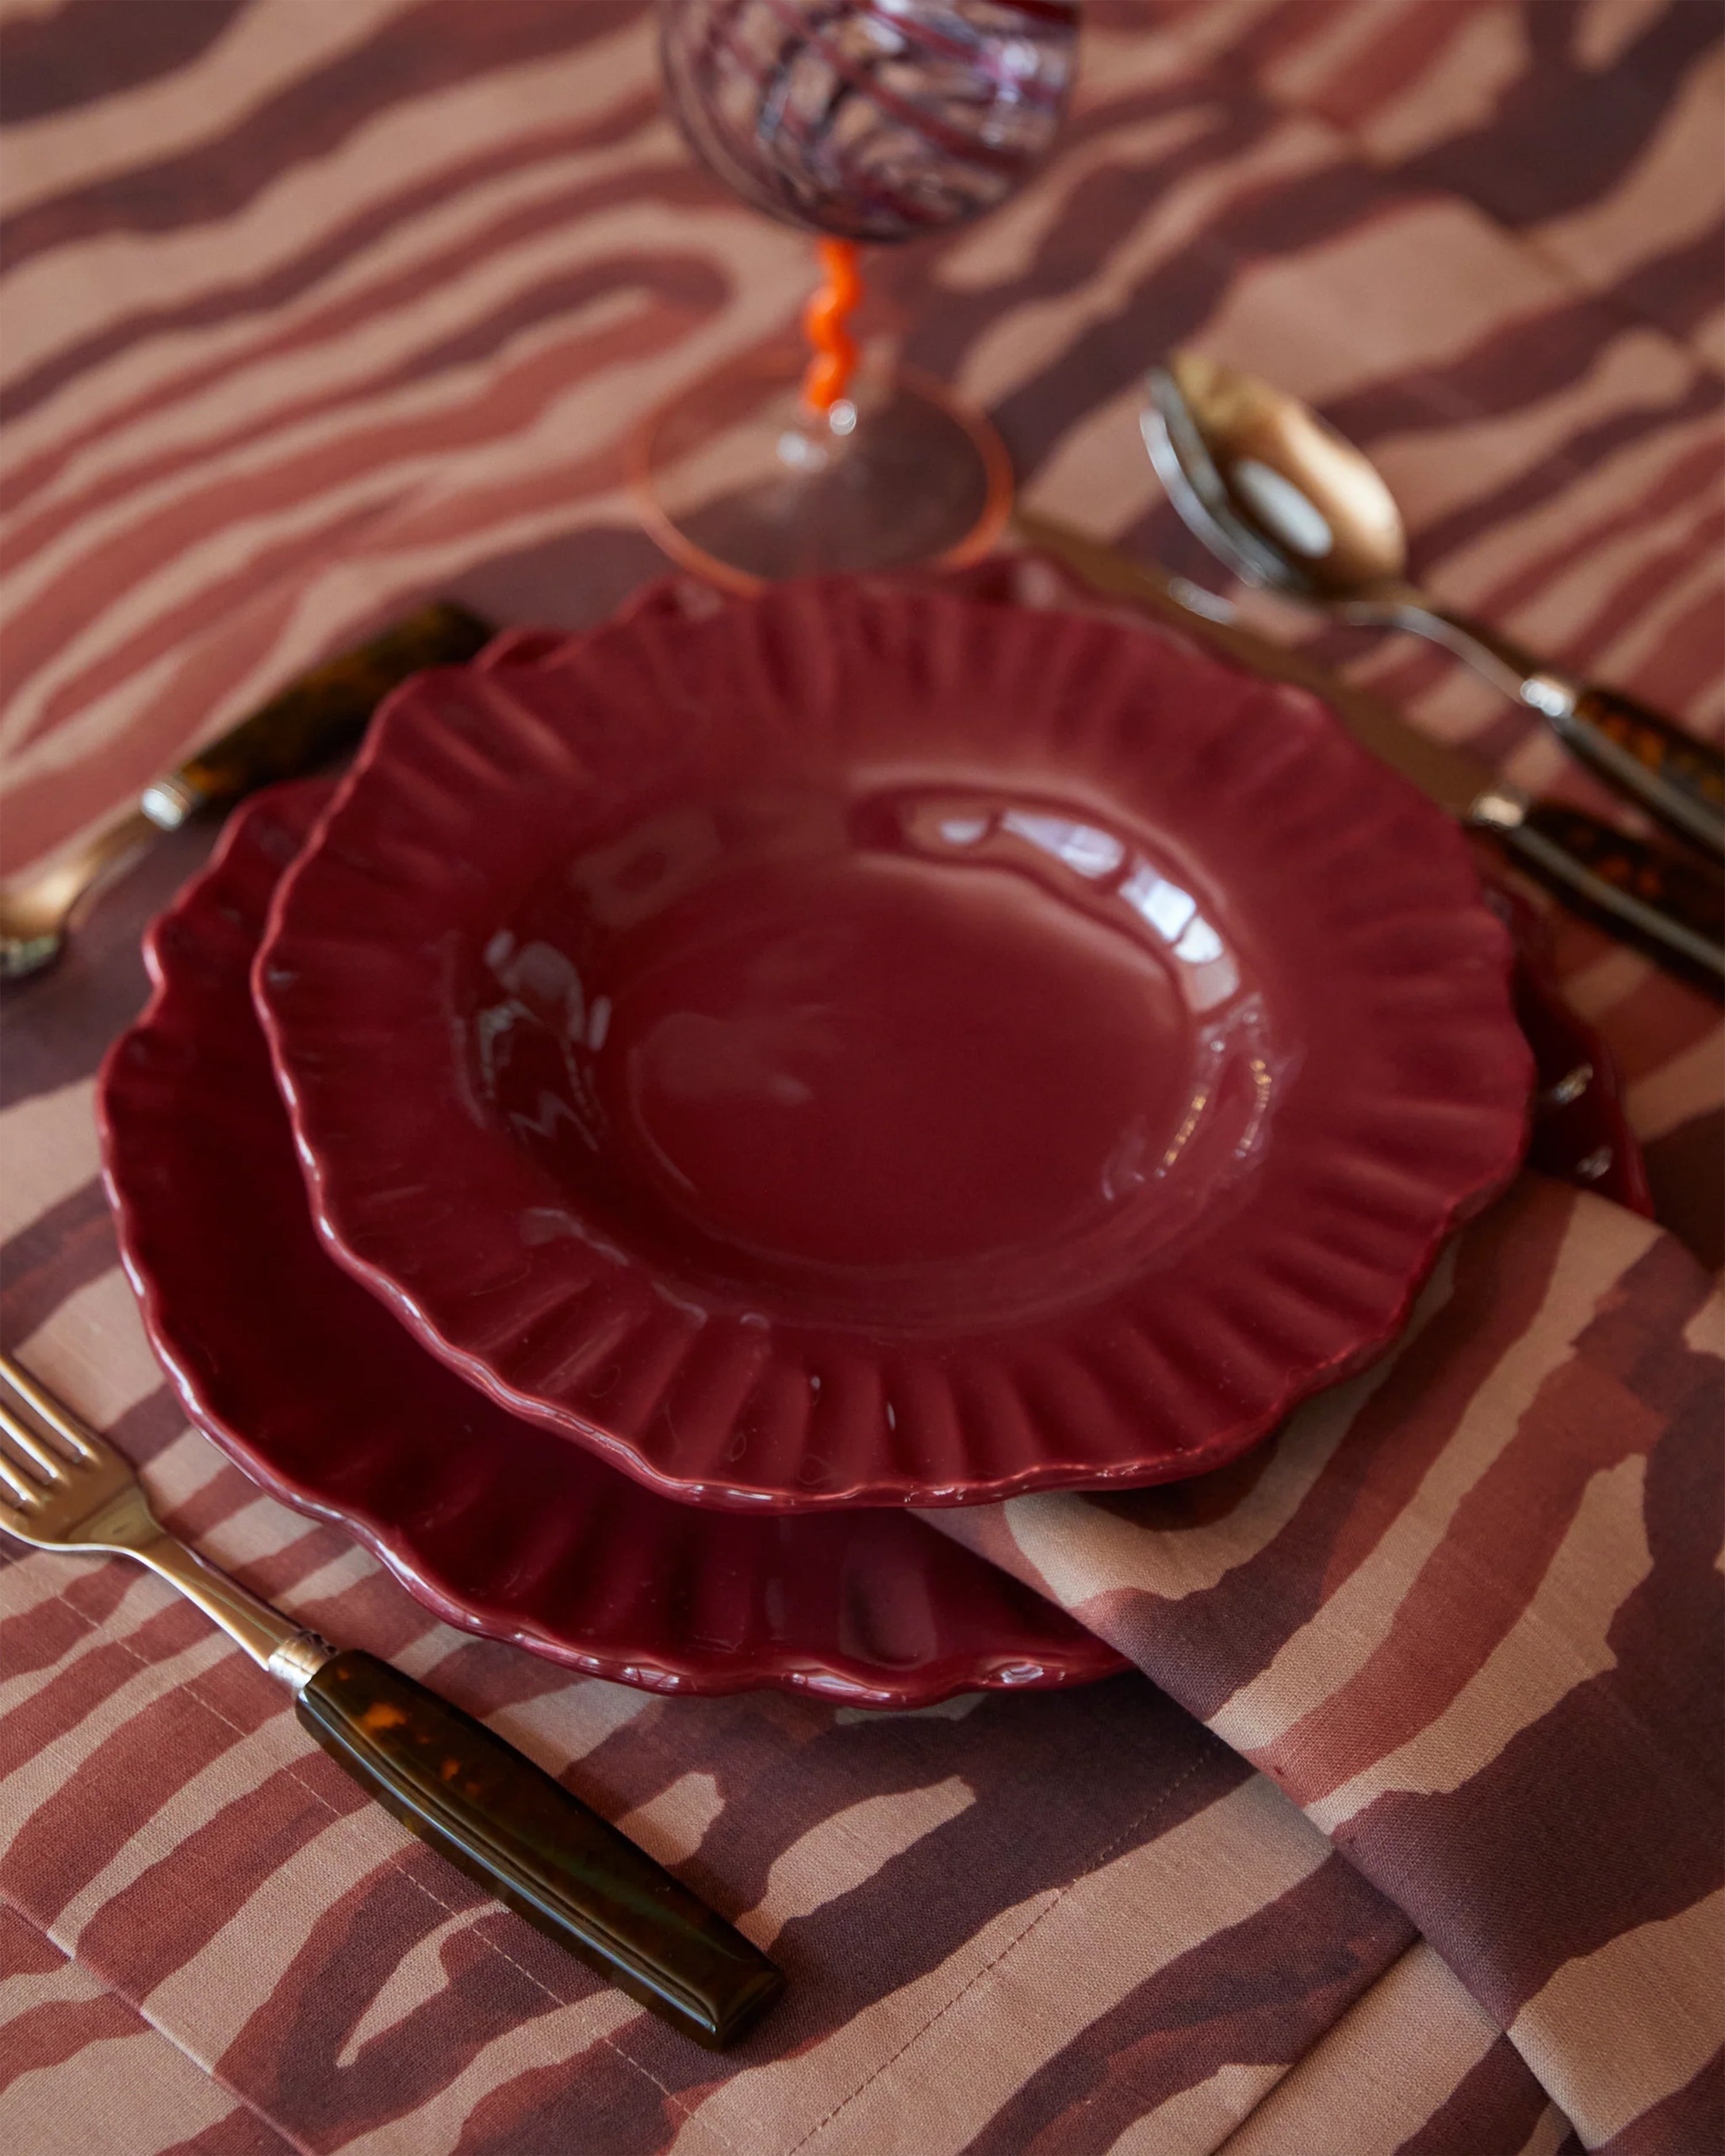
(1407, 1838)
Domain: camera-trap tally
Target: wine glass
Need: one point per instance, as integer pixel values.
(860, 120)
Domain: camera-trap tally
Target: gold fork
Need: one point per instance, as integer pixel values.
(520, 1834)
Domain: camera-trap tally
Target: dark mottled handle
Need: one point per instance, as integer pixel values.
(1670, 907)
(1580, 1133)
(526, 1840)
(326, 710)
(1673, 775)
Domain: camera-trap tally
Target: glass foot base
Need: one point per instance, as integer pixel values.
(738, 480)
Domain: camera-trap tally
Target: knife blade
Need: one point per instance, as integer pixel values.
(1668, 907)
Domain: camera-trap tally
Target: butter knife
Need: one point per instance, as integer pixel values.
(1668, 907)
(312, 720)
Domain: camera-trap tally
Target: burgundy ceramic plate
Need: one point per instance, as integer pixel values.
(310, 1384)
(870, 1045)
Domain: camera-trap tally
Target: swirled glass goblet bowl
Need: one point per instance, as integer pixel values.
(875, 120)
(859, 120)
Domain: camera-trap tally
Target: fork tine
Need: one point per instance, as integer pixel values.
(25, 1488)
(16, 1492)
(53, 1412)
(38, 1452)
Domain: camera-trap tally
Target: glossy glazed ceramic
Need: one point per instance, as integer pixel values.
(311, 1385)
(871, 1046)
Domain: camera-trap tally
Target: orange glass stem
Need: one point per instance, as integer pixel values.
(824, 318)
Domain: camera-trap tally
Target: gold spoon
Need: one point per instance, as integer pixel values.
(1286, 502)
(318, 715)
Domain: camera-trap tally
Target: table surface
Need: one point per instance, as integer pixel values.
(311, 308)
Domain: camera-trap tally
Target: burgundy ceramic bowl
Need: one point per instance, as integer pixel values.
(869, 1046)
(312, 1387)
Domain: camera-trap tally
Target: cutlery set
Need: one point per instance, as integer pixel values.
(1286, 502)
(700, 1089)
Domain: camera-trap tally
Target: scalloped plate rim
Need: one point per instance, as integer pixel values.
(653, 1669)
(1219, 1446)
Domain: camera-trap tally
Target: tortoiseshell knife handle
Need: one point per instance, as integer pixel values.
(323, 712)
(1677, 777)
(1670, 907)
(527, 1840)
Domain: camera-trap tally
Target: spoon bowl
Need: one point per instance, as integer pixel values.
(1307, 508)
